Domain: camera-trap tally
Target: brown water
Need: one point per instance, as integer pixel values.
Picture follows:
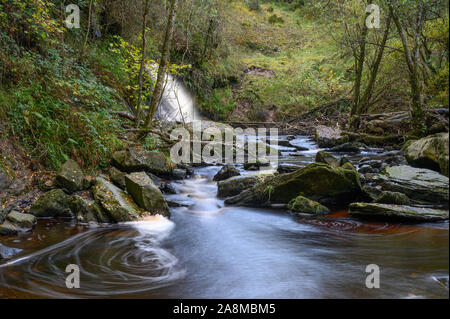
(211, 251)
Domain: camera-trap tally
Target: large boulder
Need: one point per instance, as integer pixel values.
(388, 211)
(317, 181)
(117, 177)
(430, 152)
(21, 220)
(419, 184)
(235, 185)
(146, 194)
(52, 204)
(304, 205)
(116, 203)
(136, 159)
(226, 172)
(87, 211)
(328, 136)
(393, 198)
(70, 177)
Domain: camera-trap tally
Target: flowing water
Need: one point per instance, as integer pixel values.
(208, 250)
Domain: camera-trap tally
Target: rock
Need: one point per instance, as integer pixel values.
(87, 211)
(327, 158)
(9, 229)
(328, 137)
(393, 198)
(345, 148)
(388, 211)
(343, 161)
(166, 188)
(8, 252)
(255, 166)
(226, 172)
(118, 205)
(235, 185)
(146, 194)
(117, 177)
(364, 169)
(4, 180)
(317, 181)
(431, 152)
(371, 193)
(284, 143)
(419, 184)
(287, 168)
(52, 204)
(135, 160)
(304, 205)
(70, 177)
(21, 220)
(179, 173)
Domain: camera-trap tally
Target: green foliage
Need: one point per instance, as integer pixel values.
(220, 104)
(274, 19)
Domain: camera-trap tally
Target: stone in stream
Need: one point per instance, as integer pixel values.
(255, 166)
(8, 252)
(304, 205)
(70, 177)
(24, 221)
(402, 212)
(136, 159)
(393, 198)
(317, 181)
(118, 205)
(287, 168)
(226, 172)
(431, 152)
(328, 137)
(52, 204)
(419, 184)
(87, 211)
(146, 194)
(346, 148)
(327, 158)
(235, 185)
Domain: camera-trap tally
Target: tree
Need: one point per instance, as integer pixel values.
(157, 92)
(142, 67)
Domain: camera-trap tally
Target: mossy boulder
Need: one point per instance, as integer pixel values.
(118, 205)
(304, 205)
(431, 152)
(420, 185)
(327, 158)
(235, 185)
(136, 160)
(87, 211)
(393, 198)
(146, 194)
(52, 204)
(317, 181)
(399, 212)
(226, 172)
(117, 177)
(70, 177)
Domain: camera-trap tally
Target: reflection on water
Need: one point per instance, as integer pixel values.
(208, 250)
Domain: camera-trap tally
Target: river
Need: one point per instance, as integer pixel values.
(208, 250)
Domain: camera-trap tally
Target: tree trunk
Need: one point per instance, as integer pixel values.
(142, 67)
(163, 63)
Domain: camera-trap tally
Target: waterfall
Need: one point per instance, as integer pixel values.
(177, 102)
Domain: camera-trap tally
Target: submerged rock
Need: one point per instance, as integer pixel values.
(388, 211)
(70, 177)
(226, 172)
(431, 152)
(235, 185)
(52, 204)
(117, 204)
(135, 160)
(419, 184)
(8, 229)
(317, 181)
(146, 194)
(304, 205)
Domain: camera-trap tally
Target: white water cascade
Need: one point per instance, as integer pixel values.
(177, 102)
